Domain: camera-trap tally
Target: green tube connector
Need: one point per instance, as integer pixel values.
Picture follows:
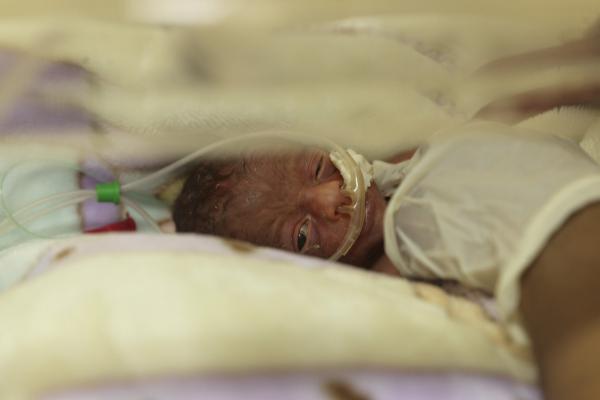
(108, 192)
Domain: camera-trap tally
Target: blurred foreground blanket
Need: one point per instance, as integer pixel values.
(112, 315)
(374, 83)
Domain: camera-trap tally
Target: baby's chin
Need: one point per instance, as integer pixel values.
(369, 245)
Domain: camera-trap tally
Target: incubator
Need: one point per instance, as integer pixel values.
(25, 207)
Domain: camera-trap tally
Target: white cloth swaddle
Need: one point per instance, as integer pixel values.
(479, 206)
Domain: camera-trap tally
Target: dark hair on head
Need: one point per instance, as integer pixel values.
(206, 192)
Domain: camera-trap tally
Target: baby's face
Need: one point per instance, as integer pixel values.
(291, 201)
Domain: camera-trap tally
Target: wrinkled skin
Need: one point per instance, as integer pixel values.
(291, 201)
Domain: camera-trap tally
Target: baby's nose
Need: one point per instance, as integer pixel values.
(324, 199)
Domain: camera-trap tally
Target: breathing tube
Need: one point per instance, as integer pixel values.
(123, 193)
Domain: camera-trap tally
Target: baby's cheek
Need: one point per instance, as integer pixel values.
(332, 237)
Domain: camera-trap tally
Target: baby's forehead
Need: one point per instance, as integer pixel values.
(265, 176)
(265, 193)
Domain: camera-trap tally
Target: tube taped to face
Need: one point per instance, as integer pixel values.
(356, 173)
(365, 167)
(478, 207)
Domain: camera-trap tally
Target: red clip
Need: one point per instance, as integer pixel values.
(127, 225)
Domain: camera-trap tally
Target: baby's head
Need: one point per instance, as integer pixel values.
(288, 200)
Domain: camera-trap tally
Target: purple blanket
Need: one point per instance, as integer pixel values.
(333, 385)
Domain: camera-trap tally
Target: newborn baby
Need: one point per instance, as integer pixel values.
(289, 201)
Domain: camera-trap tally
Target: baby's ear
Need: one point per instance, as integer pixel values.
(167, 226)
(171, 191)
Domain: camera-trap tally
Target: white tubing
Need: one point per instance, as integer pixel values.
(15, 223)
(56, 196)
(166, 171)
(156, 177)
(355, 184)
(140, 210)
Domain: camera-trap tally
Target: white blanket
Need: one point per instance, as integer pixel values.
(119, 307)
